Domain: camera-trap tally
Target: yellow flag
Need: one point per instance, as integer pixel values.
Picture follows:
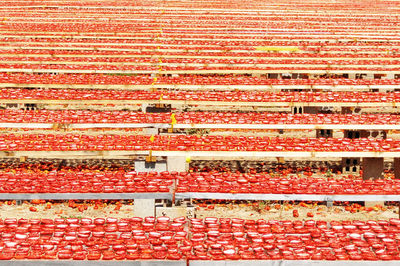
(173, 119)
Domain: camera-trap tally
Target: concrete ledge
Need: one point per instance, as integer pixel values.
(204, 103)
(289, 154)
(199, 263)
(212, 155)
(303, 197)
(292, 126)
(218, 126)
(292, 263)
(88, 125)
(200, 87)
(92, 263)
(278, 70)
(196, 195)
(83, 196)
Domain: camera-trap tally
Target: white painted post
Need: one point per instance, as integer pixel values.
(144, 207)
(389, 76)
(369, 76)
(177, 163)
(144, 106)
(149, 131)
(352, 75)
